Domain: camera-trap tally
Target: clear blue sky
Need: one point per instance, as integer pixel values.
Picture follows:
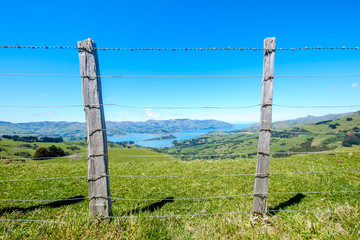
(179, 24)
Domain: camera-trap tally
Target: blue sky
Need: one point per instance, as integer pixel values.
(179, 24)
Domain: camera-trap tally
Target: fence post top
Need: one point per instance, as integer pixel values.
(87, 44)
(270, 38)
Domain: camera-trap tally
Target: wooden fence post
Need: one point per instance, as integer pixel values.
(263, 156)
(98, 171)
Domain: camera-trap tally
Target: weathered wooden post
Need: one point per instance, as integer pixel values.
(263, 156)
(98, 171)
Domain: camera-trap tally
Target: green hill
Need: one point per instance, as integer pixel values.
(318, 136)
(309, 120)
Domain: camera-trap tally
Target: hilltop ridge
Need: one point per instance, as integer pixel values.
(77, 130)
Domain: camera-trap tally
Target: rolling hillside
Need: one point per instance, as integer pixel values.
(299, 138)
(298, 121)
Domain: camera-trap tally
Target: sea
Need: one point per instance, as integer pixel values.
(182, 135)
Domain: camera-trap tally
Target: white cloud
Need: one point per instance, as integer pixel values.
(124, 113)
(354, 85)
(149, 112)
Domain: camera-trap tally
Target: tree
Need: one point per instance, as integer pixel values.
(350, 140)
(50, 152)
(41, 153)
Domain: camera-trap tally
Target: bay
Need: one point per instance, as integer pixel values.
(182, 135)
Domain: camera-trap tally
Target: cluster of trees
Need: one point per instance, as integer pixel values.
(22, 154)
(33, 138)
(283, 134)
(50, 152)
(323, 122)
(351, 139)
(73, 148)
(126, 142)
(333, 126)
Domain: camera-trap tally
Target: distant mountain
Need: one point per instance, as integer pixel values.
(309, 120)
(77, 130)
(169, 126)
(298, 121)
(67, 130)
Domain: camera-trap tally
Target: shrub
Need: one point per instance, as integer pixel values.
(333, 126)
(73, 148)
(323, 122)
(50, 152)
(350, 140)
(26, 145)
(7, 136)
(349, 119)
(23, 154)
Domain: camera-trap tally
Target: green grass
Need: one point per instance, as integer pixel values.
(342, 224)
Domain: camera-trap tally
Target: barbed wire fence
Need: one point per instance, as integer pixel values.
(90, 132)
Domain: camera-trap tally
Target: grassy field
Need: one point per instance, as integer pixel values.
(298, 217)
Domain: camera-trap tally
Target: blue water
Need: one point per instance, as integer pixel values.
(183, 135)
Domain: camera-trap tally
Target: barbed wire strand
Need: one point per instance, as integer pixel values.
(232, 154)
(131, 107)
(41, 179)
(119, 131)
(195, 155)
(227, 213)
(184, 215)
(42, 158)
(43, 200)
(226, 196)
(309, 133)
(213, 133)
(177, 176)
(175, 76)
(324, 106)
(226, 175)
(38, 134)
(31, 220)
(183, 49)
(230, 132)
(173, 107)
(180, 199)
